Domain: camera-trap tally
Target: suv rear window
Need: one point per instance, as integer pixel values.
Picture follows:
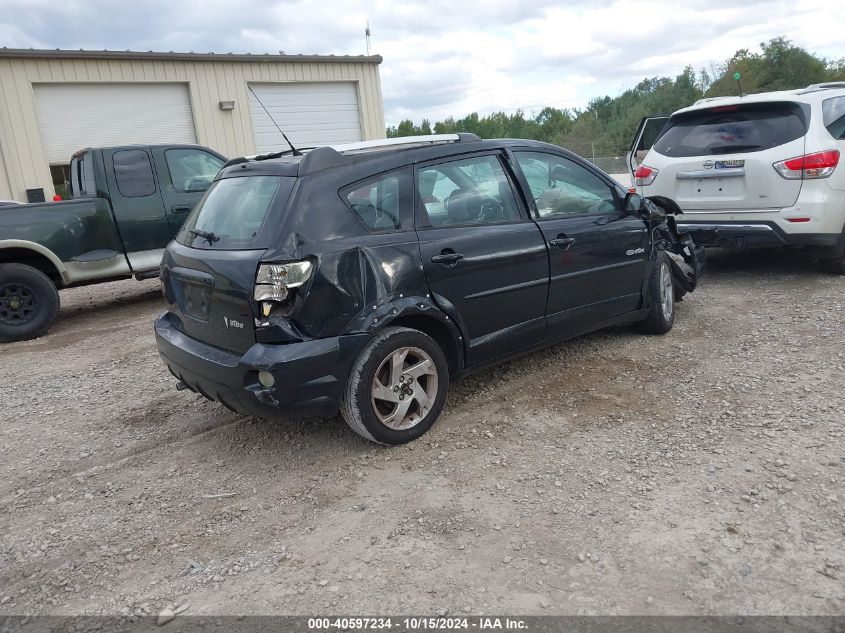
(232, 212)
(730, 129)
(833, 113)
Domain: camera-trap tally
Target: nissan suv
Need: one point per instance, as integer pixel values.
(365, 278)
(761, 168)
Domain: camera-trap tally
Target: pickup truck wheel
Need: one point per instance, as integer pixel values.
(661, 315)
(29, 303)
(397, 387)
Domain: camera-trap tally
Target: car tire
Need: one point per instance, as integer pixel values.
(397, 387)
(29, 303)
(661, 297)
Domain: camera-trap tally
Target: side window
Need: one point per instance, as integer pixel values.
(465, 192)
(379, 202)
(833, 115)
(82, 176)
(561, 187)
(191, 169)
(134, 173)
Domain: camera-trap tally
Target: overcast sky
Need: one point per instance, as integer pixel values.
(447, 57)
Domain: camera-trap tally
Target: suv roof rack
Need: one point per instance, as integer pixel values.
(828, 85)
(428, 139)
(334, 155)
(402, 141)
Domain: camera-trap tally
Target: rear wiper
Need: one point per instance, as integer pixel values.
(207, 236)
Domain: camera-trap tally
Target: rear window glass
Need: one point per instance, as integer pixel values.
(134, 173)
(731, 129)
(833, 113)
(232, 212)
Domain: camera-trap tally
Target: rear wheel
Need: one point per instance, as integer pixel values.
(661, 314)
(397, 387)
(29, 303)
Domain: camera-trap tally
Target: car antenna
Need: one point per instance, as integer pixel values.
(295, 151)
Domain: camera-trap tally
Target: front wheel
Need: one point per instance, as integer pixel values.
(397, 387)
(661, 315)
(29, 303)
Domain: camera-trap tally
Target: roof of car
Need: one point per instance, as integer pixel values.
(811, 94)
(412, 149)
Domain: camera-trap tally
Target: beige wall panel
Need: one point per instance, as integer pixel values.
(23, 162)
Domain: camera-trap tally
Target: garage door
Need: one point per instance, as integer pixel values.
(73, 116)
(311, 114)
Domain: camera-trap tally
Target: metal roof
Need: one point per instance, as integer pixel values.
(203, 57)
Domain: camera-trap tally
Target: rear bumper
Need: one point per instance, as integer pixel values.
(310, 376)
(762, 234)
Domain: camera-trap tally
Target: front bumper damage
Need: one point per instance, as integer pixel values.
(686, 250)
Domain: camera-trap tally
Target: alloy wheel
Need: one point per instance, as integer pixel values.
(404, 388)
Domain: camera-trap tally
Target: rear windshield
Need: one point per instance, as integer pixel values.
(232, 212)
(732, 129)
(833, 112)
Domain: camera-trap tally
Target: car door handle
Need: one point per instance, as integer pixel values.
(446, 258)
(180, 209)
(562, 243)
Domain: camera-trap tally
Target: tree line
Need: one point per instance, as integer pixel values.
(606, 126)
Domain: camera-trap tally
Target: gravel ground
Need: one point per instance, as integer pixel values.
(696, 473)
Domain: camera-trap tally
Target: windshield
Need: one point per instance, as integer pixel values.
(233, 211)
(729, 129)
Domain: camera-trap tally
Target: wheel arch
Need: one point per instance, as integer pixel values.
(35, 255)
(450, 342)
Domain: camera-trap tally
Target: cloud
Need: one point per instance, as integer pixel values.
(443, 57)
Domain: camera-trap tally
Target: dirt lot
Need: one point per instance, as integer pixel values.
(698, 473)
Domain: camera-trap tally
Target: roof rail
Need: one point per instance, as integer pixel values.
(429, 139)
(824, 86)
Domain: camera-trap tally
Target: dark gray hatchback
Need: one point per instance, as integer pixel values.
(364, 278)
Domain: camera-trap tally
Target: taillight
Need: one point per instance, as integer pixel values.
(274, 283)
(818, 165)
(644, 175)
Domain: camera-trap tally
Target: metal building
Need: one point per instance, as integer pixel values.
(55, 102)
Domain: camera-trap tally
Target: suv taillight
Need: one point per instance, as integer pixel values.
(274, 283)
(818, 165)
(644, 175)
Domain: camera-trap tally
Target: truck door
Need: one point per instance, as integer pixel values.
(647, 133)
(184, 174)
(137, 205)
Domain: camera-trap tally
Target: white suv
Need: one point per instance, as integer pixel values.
(762, 168)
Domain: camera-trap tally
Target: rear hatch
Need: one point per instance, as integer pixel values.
(720, 159)
(208, 272)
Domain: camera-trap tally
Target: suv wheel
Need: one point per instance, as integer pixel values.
(29, 303)
(397, 387)
(661, 315)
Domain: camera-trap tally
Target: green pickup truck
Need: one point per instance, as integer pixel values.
(126, 203)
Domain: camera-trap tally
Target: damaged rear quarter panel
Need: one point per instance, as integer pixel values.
(362, 280)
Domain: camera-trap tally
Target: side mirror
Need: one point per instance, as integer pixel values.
(633, 203)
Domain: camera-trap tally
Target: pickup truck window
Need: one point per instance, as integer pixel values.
(82, 184)
(134, 173)
(192, 169)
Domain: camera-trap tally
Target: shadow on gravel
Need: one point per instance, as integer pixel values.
(725, 262)
(104, 304)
